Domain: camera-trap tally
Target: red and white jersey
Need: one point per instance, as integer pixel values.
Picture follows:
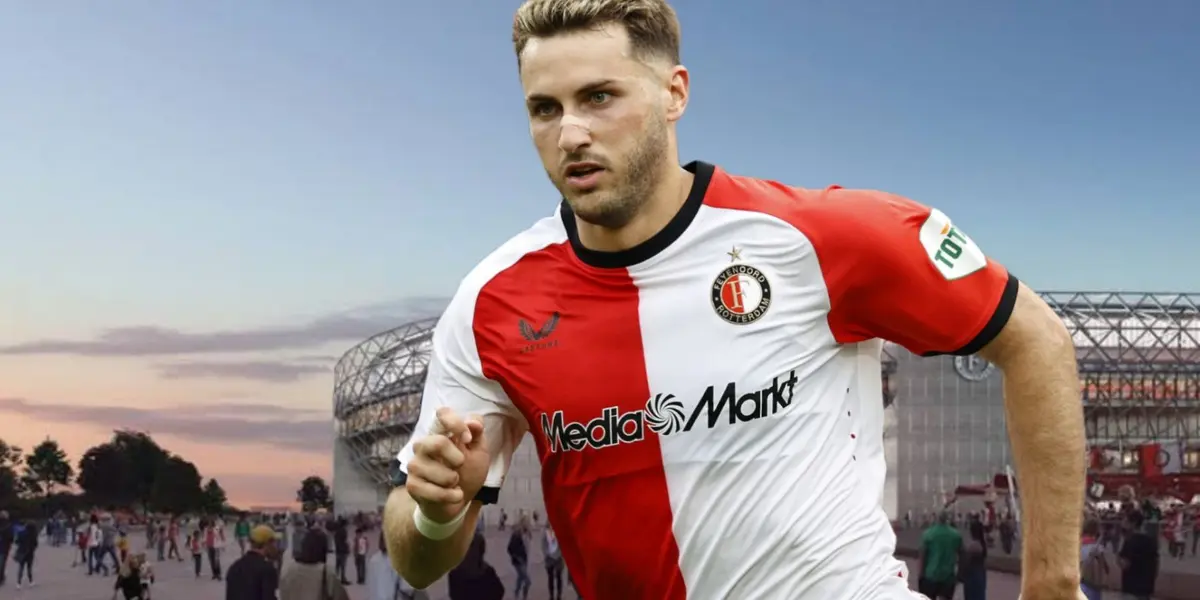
(707, 406)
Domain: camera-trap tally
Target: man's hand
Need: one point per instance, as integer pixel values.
(448, 466)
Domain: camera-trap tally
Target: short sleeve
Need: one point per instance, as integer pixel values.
(906, 273)
(455, 379)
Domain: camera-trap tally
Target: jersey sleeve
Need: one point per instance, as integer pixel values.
(905, 273)
(455, 379)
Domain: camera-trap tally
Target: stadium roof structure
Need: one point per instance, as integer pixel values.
(1139, 359)
(377, 394)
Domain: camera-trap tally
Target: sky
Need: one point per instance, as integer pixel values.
(204, 204)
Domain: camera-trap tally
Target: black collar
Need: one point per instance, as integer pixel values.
(659, 241)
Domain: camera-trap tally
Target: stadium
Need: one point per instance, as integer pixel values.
(1139, 362)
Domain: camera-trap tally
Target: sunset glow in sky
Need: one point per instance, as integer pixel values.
(250, 407)
(203, 204)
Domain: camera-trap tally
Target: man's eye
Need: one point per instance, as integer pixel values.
(599, 97)
(543, 110)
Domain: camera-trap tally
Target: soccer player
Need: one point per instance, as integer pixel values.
(697, 354)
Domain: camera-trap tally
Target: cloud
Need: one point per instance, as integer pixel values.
(260, 370)
(327, 359)
(256, 409)
(151, 340)
(306, 430)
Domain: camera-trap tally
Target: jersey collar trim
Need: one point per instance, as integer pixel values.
(659, 241)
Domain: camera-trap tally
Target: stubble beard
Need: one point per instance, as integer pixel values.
(615, 207)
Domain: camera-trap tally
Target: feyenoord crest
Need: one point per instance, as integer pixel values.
(973, 368)
(741, 294)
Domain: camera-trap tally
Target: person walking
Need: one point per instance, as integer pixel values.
(384, 583)
(81, 545)
(300, 529)
(361, 547)
(6, 543)
(1094, 561)
(129, 579)
(173, 540)
(518, 553)
(941, 547)
(26, 545)
(212, 545)
(147, 571)
(253, 576)
(95, 546)
(241, 533)
(195, 544)
(974, 564)
(553, 558)
(310, 576)
(341, 548)
(1139, 559)
(474, 578)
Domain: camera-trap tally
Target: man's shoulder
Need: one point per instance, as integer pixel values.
(543, 234)
(832, 209)
(754, 193)
(237, 566)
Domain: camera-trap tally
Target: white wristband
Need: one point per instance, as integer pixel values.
(434, 530)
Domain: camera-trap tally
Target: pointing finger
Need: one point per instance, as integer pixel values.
(474, 435)
(449, 423)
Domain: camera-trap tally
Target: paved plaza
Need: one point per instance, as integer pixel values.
(57, 580)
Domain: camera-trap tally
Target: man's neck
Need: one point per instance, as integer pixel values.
(662, 206)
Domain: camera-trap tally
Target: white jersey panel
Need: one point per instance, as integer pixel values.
(755, 405)
(871, 456)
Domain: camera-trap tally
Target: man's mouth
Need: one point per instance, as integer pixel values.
(582, 171)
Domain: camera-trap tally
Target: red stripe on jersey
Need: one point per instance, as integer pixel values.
(881, 282)
(608, 499)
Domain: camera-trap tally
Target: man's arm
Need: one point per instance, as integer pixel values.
(418, 559)
(1045, 427)
(906, 273)
(457, 455)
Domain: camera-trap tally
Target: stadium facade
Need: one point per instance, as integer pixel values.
(1139, 360)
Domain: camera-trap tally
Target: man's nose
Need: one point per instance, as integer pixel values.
(575, 133)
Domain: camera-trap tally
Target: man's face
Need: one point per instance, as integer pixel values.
(599, 118)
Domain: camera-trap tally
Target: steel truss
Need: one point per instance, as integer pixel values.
(1139, 362)
(377, 394)
(1138, 354)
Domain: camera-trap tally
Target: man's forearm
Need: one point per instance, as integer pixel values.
(418, 559)
(1045, 426)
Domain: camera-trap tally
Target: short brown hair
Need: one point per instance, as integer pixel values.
(652, 25)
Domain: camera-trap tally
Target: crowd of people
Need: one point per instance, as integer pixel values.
(329, 555)
(103, 546)
(1122, 547)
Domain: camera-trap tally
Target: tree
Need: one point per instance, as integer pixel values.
(314, 493)
(214, 497)
(11, 458)
(122, 470)
(46, 467)
(177, 487)
(104, 475)
(145, 457)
